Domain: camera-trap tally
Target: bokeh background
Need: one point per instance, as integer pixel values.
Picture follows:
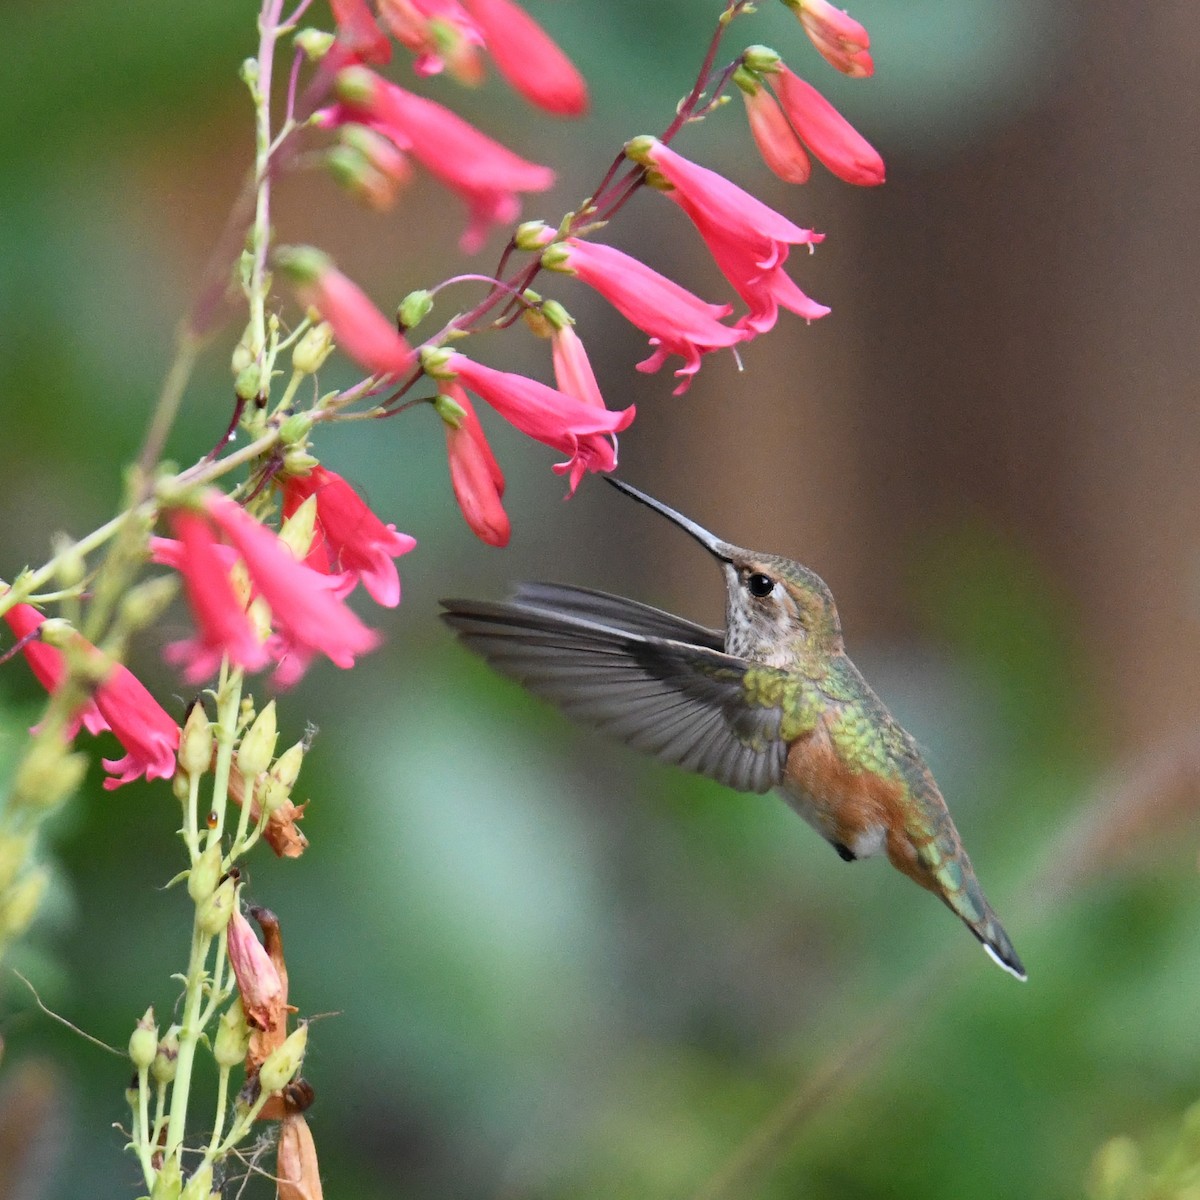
(551, 969)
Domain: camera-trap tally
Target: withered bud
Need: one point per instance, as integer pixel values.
(298, 1177)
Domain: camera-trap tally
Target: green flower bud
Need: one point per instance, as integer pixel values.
(54, 631)
(248, 384)
(314, 43)
(232, 1039)
(146, 602)
(414, 308)
(20, 903)
(180, 788)
(282, 1064)
(531, 235)
(450, 410)
(196, 744)
(298, 461)
(258, 743)
(205, 874)
(143, 1042)
(313, 348)
(166, 1056)
(287, 766)
(169, 1183)
(295, 429)
(243, 353)
(70, 566)
(48, 774)
(297, 531)
(213, 913)
(199, 1186)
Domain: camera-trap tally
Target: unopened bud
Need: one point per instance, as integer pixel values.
(298, 529)
(243, 353)
(54, 631)
(313, 348)
(450, 410)
(314, 43)
(213, 913)
(414, 308)
(258, 743)
(143, 1042)
(532, 235)
(205, 874)
(286, 769)
(232, 1039)
(19, 905)
(70, 566)
(166, 1056)
(180, 788)
(295, 429)
(169, 1183)
(281, 1065)
(196, 744)
(248, 383)
(48, 774)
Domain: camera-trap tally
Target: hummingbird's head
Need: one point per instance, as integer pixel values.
(777, 612)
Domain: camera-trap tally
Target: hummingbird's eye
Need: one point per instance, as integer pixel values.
(760, 585)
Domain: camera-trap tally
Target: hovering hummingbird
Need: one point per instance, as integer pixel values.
(772, 702)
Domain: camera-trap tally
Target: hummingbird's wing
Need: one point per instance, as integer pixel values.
(617, 612)
(686, 704)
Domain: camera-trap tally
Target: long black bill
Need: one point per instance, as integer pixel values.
(714, 545)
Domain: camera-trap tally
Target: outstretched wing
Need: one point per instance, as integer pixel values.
(606, 661)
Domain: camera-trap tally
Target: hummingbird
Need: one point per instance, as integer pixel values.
(772, 701)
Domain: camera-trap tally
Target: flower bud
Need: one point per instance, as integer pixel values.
(259, 984)
(54, 631)
(205, 874)
(286, 769)
(532, 235)
(760, 58)
(48, 773)
(143, 1042)
(313, 348)
(20, 903)
(248, 383)
(180, 788)
(314, 43)
(232, 1038)
(450, 410)
(243, 353)
(146, 602)
(295, 429)
(196, 743)
(414, 308)
(282, 1064)
(70, 566)
(169, 1183)
(199, 1186)
(213, 913)
(166, 1056)
(258, 743)
(298, 529)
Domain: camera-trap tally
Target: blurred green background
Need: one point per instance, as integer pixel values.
(549, 968)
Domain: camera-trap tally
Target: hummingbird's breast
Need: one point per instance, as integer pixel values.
(848, 807)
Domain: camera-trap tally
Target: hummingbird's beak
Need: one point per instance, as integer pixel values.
(714, 545)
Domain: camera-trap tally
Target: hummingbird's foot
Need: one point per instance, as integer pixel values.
(844, 852)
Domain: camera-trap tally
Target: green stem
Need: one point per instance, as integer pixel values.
(141, 1133)
(229, 702)
(189, 1038)
(219, 1119)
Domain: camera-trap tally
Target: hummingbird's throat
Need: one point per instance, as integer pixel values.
(764, 633)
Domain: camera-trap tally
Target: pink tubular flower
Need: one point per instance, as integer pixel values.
(777, 141)
(839, 38)
(440, 33)
(529, 59)
(574, 375)
(258, 981)
(224, 628)
(475, 475)
(307, 615)
(358, 33)
(484, 173)
(548, 415)
(677, 320)
(361, 330)
(749, 241)
(46, 663)
(824, 130)
(349, 538)
(120, 703)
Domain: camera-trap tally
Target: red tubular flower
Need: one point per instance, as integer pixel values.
(677, 320)
(440, 33)
(306, 614)
(475, 475)
(361, 330)
(749, 241)
(358, 33)
(149, 735)
(224, 628)
(543, 413)
(120, 703)
(777, 141)
(349, 538)
(574, 375)
(824, 130)
(484, 173)
(529, 59)
(839, 38)
(264, 1001)
(46, 663)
